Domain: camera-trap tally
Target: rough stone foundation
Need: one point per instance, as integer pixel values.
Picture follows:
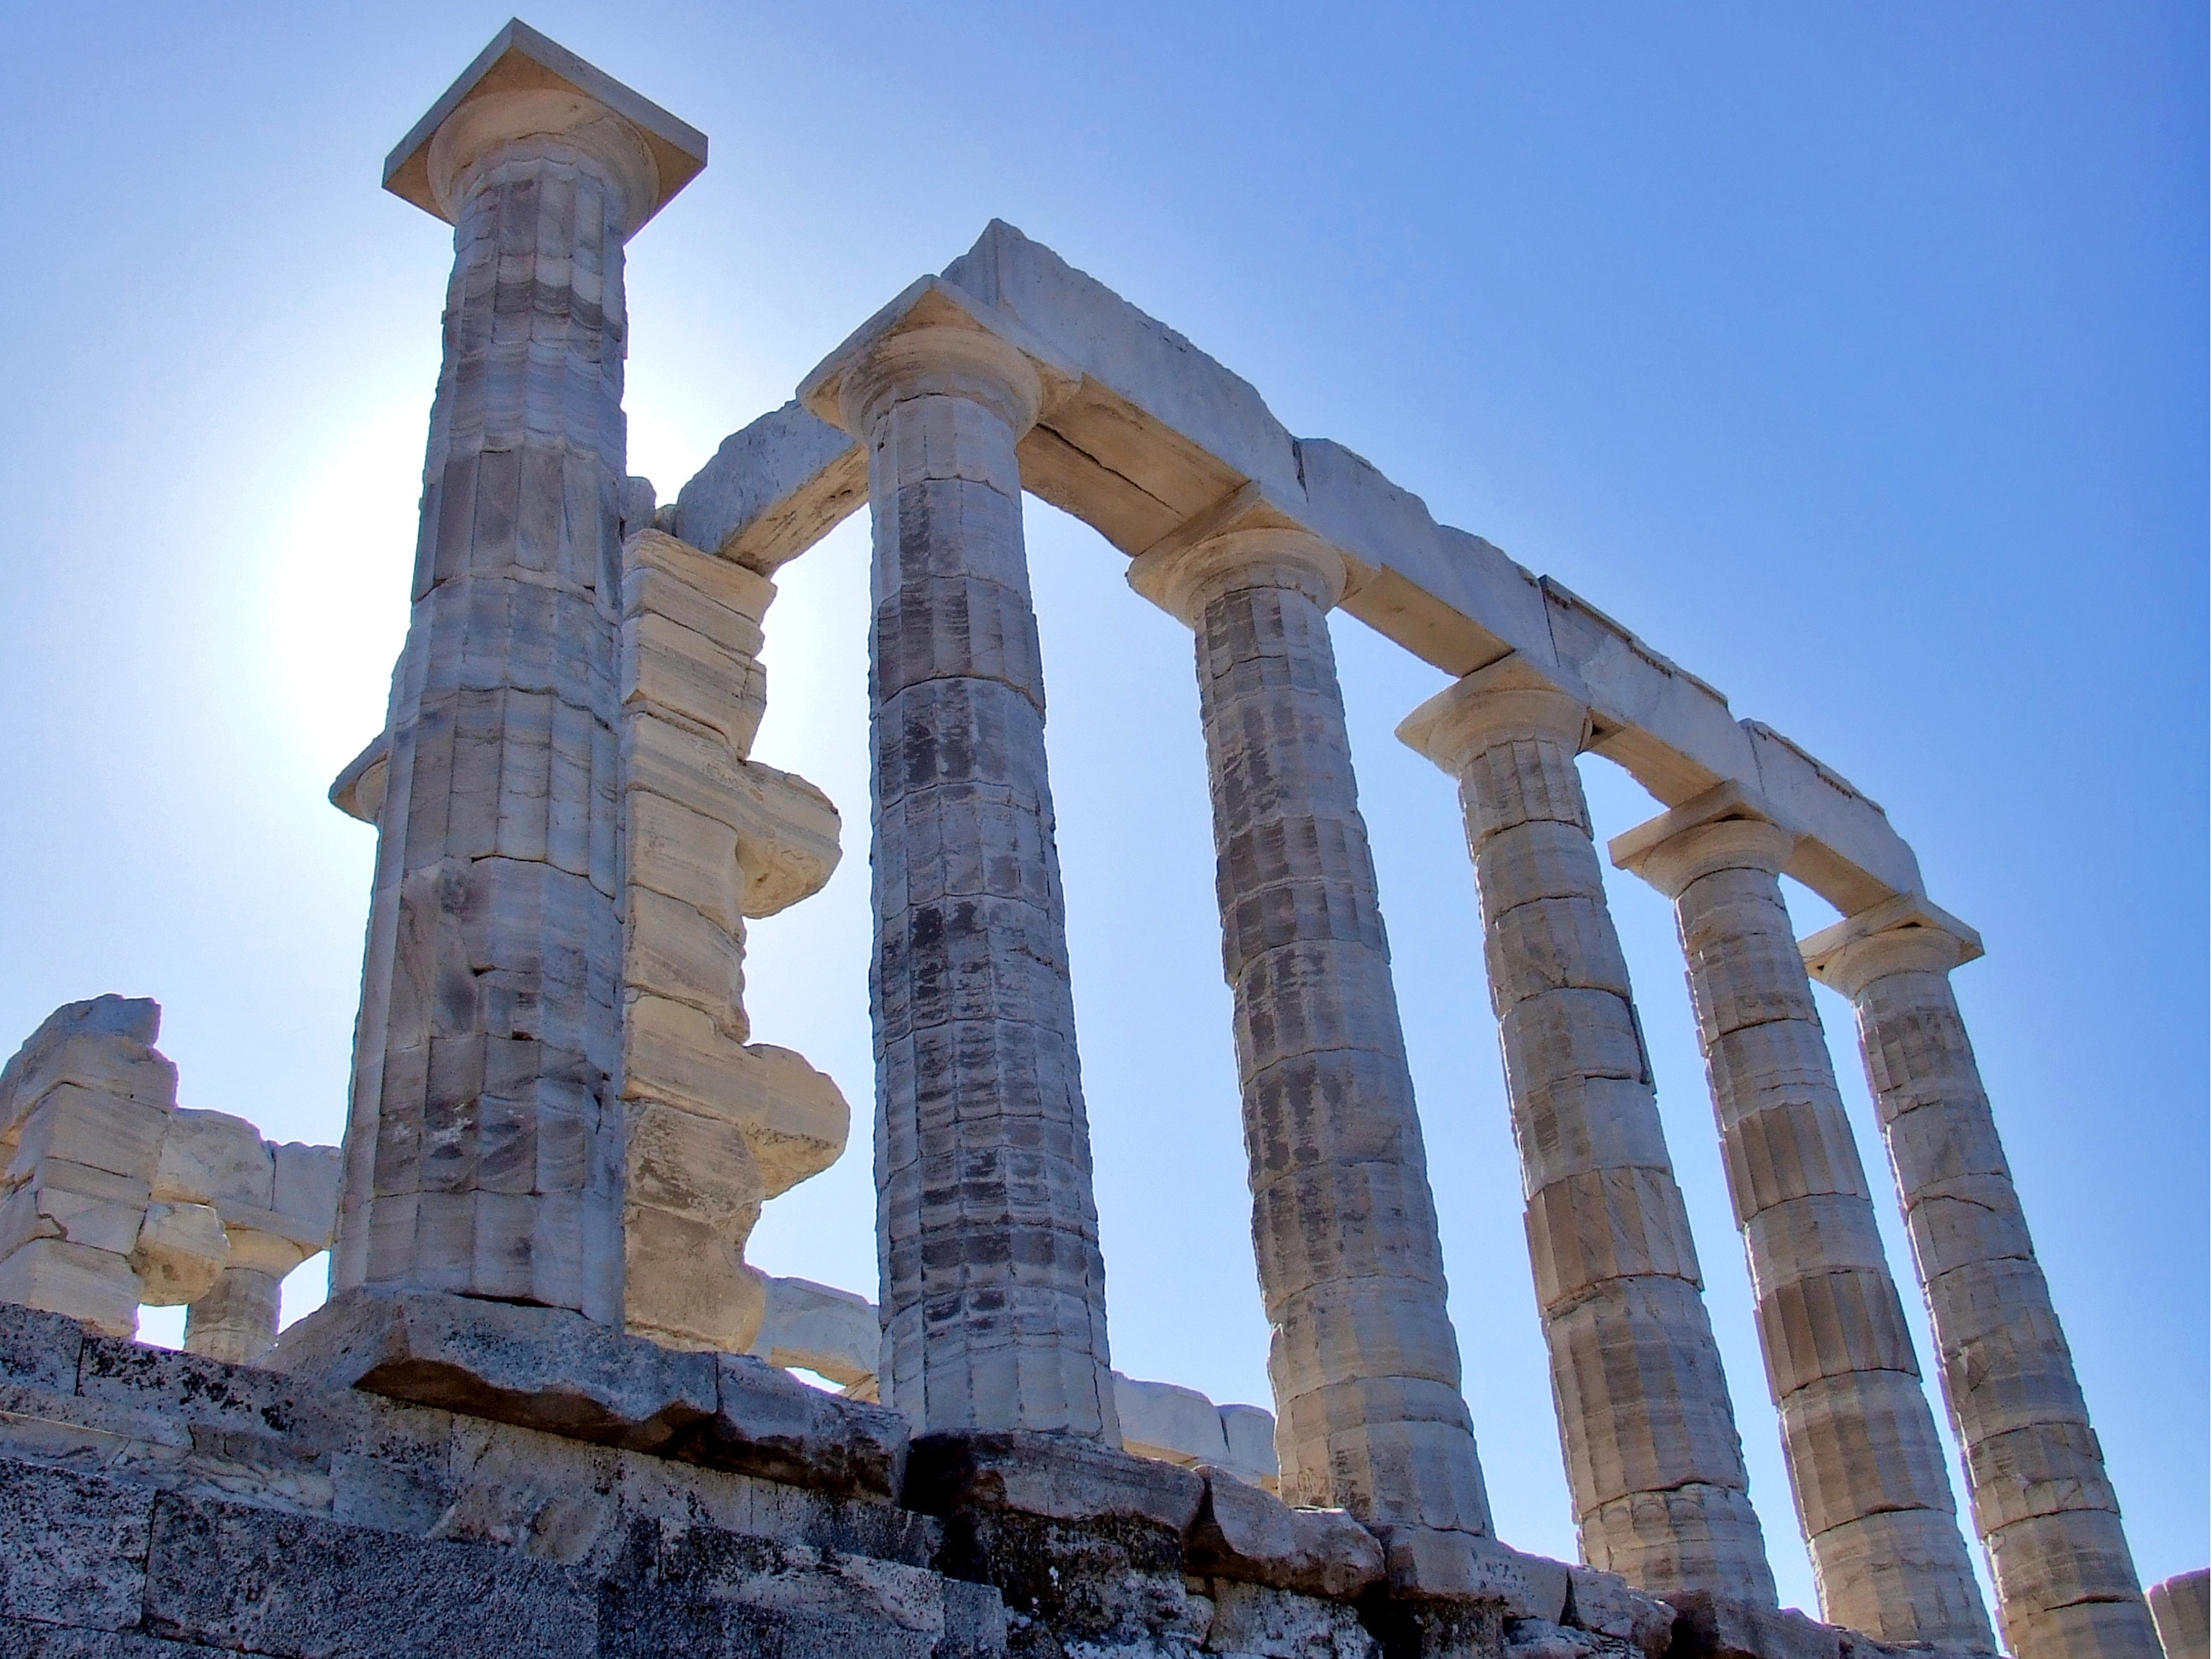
(428, 1474)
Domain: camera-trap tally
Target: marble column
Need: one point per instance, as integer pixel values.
(1653, 1462)
(993, 1290)
(482, 1149)
(1363, 1358)
(2042, 1502)
(1866, 1465)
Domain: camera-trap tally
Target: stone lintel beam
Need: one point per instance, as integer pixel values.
(930, 328)
(524, 83)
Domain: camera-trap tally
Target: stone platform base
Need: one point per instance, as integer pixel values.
(428, 1475)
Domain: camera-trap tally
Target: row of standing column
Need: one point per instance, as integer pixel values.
(993, 1288)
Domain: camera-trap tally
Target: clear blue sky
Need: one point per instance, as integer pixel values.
(1852, 354)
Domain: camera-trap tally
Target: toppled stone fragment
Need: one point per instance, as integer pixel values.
(1057, 1476)
(1605, 1604)
(1252, 1536)
(1459, 1565)
(1709, 1626)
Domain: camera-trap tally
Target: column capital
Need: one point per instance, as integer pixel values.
(524, 86)
(937, 338)
(1730, 827)
(1244, 534)
(1903, 935)
(1509, 699)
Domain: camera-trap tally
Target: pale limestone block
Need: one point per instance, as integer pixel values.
(773, 489)
(794, 1117)
(686, 1285)
(649, 589)
(832, 1332)
(236, 1320)
(1164, 1421)
(96, 1287)
(306, 1185)
(786, 829)
(93, 1207)
(211, 1158)
(1602, 1603)
(660, 564)
(697, 1167)
(1249, 1433)
(670, 670)
(2181, 1607)
(686, 856)
(670, 950)
(100, 1131)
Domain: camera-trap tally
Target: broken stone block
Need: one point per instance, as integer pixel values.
(208, 1157)
(685, 1284)
(180, 1253)
(96, 1287)
(1421, 1561)
(1605, 1604)
(1061, 1477)
(2181, 1608)
(1244, 1533)
(541, 1368)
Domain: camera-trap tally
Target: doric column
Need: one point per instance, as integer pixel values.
(1866, 1467)
(2065, 1581)
(1364, 1365)
(993, 1299)
(1649, 1438)
(482, 1150)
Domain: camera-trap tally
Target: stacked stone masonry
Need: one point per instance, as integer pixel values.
(1363, 1358)
(1653, 1462)
(1866, 1467)
(114, 1197)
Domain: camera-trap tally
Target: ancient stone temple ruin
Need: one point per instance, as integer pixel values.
(544, 1410)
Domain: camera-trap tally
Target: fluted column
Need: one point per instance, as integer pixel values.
(1363, 1358)
(1649, 1436)
(2042, 1502)
(482, 1150)
(993, 1289)
(1866, 1465)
